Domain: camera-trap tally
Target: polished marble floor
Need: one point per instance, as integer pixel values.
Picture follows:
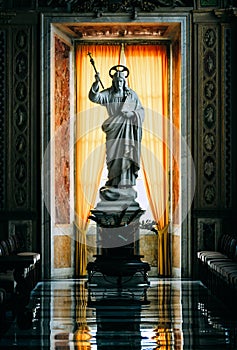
(169, 315)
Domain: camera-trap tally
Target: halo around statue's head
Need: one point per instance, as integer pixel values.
(119, 71)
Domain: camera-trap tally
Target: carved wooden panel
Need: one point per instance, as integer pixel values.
(113, 5)
(100, 6)
(18, 136)
(95, 5)
(227, 116)
(3, 118)
(213, 124)
(20, 125)
(207, 132)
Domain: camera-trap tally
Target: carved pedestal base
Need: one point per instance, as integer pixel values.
(118, 263)
(120, 272)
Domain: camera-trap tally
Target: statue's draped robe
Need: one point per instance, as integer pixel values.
(123, 135)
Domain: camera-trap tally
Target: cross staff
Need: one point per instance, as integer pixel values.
(93, 64)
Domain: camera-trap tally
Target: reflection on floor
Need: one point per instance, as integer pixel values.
(170, 314)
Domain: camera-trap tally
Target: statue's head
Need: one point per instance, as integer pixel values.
(119, 82)
(119, 77)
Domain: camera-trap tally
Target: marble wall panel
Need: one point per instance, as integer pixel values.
(176, 251)
(62, 132)
(62, 251)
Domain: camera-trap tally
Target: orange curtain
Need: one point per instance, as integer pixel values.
(148, 66)
(90, 141)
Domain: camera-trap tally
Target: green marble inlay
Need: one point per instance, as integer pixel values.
(208, 3)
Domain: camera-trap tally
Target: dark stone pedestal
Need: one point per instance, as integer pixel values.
(120, 271)
(117, 263)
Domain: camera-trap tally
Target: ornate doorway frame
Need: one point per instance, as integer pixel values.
(51, 24)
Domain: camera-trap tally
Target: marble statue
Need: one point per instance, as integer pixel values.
(123, 129)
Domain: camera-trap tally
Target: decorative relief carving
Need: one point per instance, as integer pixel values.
(21, 39)
(20, 132)
(21, 91)
(209, 89)
(21, 65)
(209, 127)
(209, 168)
(20, 195)
(21, 118)
(209, 141)
(126, 5)
(227, 115)
(95, 6)
(209, 194)
(209, 63)
(2, 117)
(210, 37)
(20, 170)
(100, 6)
(209, 116)
(20, 144)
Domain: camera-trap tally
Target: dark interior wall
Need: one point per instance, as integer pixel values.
(20, 126)
(233, 79)
(214, 85)
(214, 106)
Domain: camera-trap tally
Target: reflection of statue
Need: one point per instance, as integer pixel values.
(123, 128)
